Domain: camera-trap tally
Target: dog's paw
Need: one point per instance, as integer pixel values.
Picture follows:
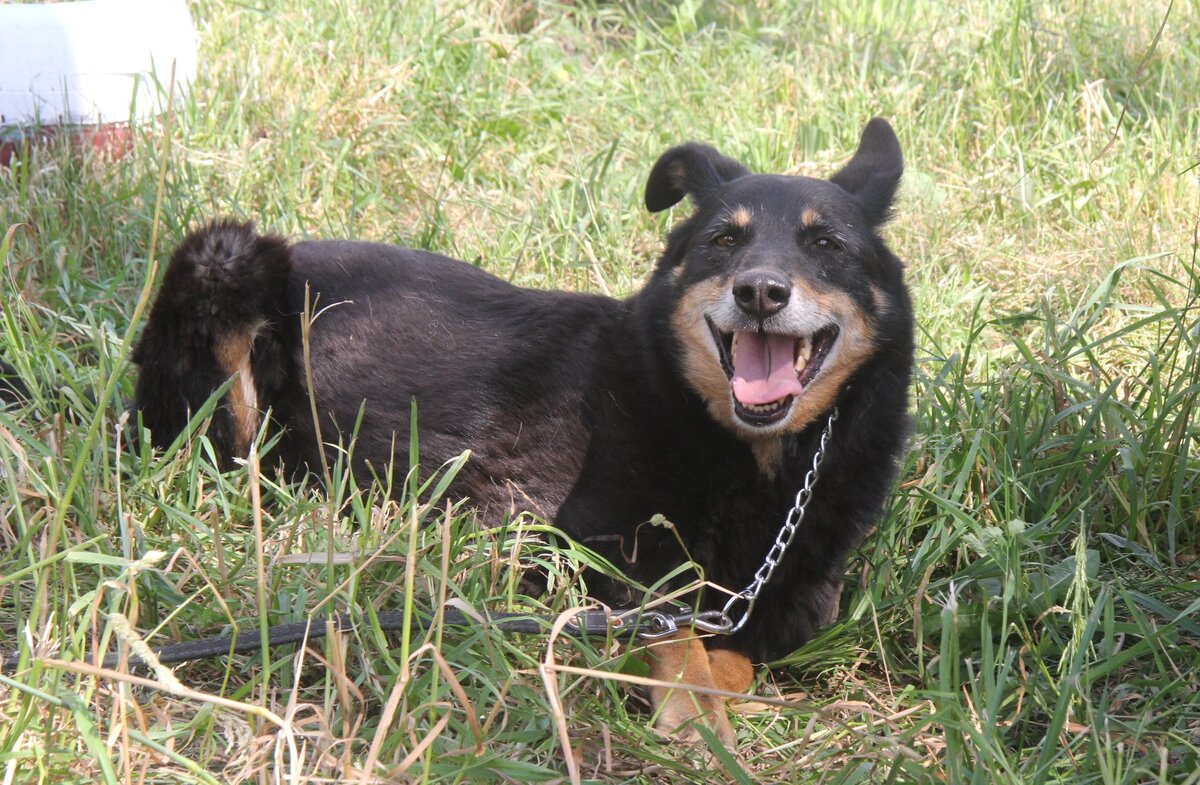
(683, 660)
(680, 711)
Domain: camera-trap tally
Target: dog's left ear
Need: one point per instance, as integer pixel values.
(873, 174)
(690, 169)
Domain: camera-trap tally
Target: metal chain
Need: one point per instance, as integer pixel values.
(721, 622)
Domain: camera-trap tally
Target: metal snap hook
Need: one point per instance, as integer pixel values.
(655, 625)
(714, 622)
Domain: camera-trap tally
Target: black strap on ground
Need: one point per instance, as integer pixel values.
(587, 623)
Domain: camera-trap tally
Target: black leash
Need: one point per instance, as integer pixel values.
(648, 624)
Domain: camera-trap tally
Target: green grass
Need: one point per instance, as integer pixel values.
(1027, 612)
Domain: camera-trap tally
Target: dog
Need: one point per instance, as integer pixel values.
(702, 398)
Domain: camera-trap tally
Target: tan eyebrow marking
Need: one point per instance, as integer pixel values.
(810, 217)
(740, 217)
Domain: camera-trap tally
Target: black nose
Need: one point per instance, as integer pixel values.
(761, 293)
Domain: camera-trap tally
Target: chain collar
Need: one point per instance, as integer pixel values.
(656, 624)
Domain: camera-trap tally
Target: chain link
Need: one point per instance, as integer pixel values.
(783, 540)
(721, 622)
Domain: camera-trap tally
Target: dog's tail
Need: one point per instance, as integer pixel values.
(220, 313)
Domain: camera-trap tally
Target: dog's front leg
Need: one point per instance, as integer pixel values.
(682, 659)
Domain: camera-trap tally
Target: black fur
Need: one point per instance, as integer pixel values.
(695, 169)
(875, 172)
(583, 408)
(13, 391)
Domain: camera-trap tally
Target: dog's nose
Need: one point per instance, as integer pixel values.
(761, 293)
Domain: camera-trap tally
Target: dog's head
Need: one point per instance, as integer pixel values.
(782, 287)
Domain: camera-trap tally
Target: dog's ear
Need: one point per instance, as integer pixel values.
(690, 169)
(873, 174)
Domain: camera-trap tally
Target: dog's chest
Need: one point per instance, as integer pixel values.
(650, 509)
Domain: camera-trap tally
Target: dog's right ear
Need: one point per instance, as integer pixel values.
(690, 169)
(873, 174)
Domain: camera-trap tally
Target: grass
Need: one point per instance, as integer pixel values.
(1027, 612)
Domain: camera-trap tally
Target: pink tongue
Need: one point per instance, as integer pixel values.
(764, 368)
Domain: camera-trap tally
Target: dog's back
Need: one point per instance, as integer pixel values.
(494, 368)
(387, 326)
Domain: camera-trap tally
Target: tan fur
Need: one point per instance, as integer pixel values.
(767, 454)
(731, 671)
(809, 217)
(684, 660)
(879, 299)
(740, 217)
(233, 355)
(701, 364)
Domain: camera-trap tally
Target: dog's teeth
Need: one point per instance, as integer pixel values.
(764, 408)
(733, 349)
(803, 353)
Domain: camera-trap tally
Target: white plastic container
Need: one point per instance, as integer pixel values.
(91, 63)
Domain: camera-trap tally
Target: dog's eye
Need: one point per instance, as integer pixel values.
(827, 244)
(726, 240)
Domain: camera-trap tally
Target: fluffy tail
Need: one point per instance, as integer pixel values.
(220, 313)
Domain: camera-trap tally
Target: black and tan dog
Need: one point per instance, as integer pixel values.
(701, 398)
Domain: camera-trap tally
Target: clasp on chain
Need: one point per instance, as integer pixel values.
(749, 596)
(713, 622)
(655, 625)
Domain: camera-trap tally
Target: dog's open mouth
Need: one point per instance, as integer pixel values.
(768, 370)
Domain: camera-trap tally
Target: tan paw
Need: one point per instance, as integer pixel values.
(684, 660)
(679, 712)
